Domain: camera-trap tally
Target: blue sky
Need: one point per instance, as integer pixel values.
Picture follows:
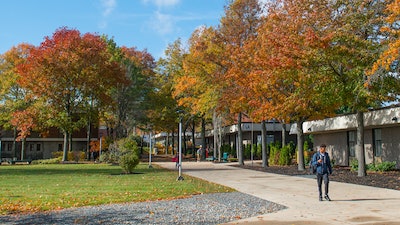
(145, 24)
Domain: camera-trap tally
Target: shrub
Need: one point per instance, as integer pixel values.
(72, 156)
(247, 151)
(285, 156)
(377, 167)
(354, 165)
(128, 162)
(228, 149)
(233, 160)
(274, 153)
(48, 161)
(128, 154)
(76, 156)
(382, 167)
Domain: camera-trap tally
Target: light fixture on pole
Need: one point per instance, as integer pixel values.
(180, 150)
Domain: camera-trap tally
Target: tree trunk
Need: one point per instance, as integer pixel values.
(70, 142)
(88, 134)
(173, 143)
(194, 138)
(215, 127)
(240, 140)
(283, 133)
(167, 144)
(65, 147)
(264, 144)
(360, 145)
(184, 139)
(203, 138)
(300, 150)
(23, 148)
(14, 145)
(220, 141)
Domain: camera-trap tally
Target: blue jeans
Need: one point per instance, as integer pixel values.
(325, 178)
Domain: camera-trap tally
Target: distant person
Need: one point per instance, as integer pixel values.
(199, 153)
(322, 161)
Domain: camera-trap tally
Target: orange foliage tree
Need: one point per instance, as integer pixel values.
(287, 65)
(238, 27)
(65, 71)
(12, 95)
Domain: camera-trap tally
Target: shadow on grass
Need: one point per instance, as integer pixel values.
(118, 174)
(71, 169)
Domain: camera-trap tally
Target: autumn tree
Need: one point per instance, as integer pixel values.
(12, 96)
(169, 70)
(66, 70)
(353, 49)
(387, 66)
(392, 51)
(287, 65)
(199, 88)
(237, 27)
(132, 99)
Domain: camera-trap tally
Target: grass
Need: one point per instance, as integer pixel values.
(34, 188)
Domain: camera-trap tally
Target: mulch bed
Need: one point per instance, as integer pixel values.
(390, 179)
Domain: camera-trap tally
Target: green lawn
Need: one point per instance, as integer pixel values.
(32, 188)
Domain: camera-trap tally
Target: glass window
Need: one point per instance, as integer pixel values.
(31, 147)
(378, 142)
(38, 147)
(351, 139)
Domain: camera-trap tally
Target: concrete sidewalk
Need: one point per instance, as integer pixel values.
(351, 204)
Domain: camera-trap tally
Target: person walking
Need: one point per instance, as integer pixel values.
(322, 162)
(199, 153)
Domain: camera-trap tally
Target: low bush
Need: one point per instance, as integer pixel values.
(382, 167)
(72, 156)
(48, 161)
(128, 154)
(128, 162)
(377, 167)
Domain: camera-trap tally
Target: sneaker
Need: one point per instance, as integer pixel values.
(320, 198)
(327, 198)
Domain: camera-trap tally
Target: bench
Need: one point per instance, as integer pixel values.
(223, 159)
(212, 159)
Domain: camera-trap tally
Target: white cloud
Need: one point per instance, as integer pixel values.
(108, 6)
(162, 3)
(163, 23)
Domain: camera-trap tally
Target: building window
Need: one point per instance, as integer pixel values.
(31, 147)
(38, 147)
(351, 143)
(377, 142)
(9, 147)
(60, 148)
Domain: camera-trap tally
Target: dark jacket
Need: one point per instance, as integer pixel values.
(325, 166)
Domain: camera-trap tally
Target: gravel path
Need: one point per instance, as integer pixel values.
(200, 209)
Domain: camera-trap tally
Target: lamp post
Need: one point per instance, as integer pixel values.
(180, 150)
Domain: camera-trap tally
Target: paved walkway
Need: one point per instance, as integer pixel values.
(351, 204)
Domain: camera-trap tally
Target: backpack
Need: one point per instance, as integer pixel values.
(313, 169)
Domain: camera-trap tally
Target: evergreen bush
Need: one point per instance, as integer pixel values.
(129, 154)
